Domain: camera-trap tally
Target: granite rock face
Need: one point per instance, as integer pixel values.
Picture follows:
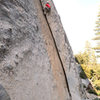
(3, 94)
(36, 60)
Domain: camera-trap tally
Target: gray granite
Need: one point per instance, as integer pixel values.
(36, 60)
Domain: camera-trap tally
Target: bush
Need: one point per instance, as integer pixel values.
(98, 87)
(92, 91)
(82, 75)
(98, 93)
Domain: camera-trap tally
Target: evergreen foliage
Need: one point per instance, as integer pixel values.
(97, 34)
(91, 68)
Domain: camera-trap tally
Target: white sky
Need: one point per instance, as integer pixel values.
(78, 18)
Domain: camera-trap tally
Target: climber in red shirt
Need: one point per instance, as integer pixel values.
(48, 5)
(47, 8)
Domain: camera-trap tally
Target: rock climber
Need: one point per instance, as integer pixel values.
(47, 8)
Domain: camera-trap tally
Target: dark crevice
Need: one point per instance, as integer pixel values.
(59, 58)
(57, 52)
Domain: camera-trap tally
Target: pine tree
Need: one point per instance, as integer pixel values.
(87, 57)
(97, 36)
(90, 54)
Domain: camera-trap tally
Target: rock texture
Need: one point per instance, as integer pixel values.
(3, 94)
(36, 60)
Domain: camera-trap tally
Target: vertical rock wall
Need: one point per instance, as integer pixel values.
(36, 60)
(65, 53)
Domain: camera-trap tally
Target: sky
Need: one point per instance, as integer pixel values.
(78, 18)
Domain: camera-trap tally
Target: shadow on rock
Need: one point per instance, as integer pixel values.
(3, 94)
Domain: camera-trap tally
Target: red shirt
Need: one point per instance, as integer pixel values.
(48, 5)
